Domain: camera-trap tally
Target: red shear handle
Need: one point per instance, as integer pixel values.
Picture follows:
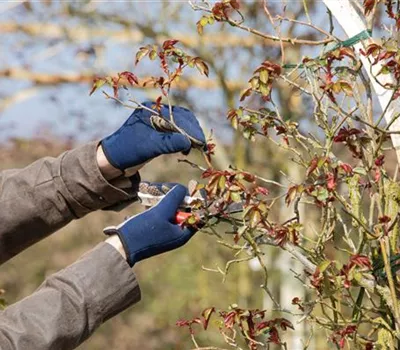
(181, 217)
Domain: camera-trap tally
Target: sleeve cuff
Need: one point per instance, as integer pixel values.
(87, 187)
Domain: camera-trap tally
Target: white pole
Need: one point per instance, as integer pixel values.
(352, 23)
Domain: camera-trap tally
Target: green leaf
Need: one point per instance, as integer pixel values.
(192, 220)
(98, 83)
(264, 89)
(254, 82)
(360, 170)
(143, 51)
(235, 197)
(234, 122)
(249, 134)
(221, 182)
(255, 218)
(264, 76)
(204, 21)
(358, 276)
(384, 70)
(153, 55)
(321, 193)
(324, 265)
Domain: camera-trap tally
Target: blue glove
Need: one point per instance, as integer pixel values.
(139, 139)
(154, 232)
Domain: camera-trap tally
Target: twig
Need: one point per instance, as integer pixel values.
(389, 277)
(329, 35)
(293, 41)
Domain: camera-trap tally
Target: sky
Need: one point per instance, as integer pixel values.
(67, 109)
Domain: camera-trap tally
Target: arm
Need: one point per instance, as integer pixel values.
(71, 304)
(48, 194)
(43, 197)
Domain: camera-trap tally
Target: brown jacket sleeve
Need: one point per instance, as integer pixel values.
(70, 304)
(49, 193)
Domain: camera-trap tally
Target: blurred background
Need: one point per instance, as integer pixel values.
(50, 51)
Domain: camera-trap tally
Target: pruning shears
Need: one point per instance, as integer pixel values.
(215, 208)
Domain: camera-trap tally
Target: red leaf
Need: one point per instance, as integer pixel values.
(369, 346)
(274, 336)
(313, 165)
(280, 234)
(339, 337)
(372, 49)
(316, 278)
(274, 68)
(380, 160)
(182, 323)
(115, 82)
(285, 324)
(235, 4)
(130, 77)
(219, 11)
(330, 182)
(229, 319)
(349, 52)
(207, 173)
(210, 148)
(346, 168)
(247, 176)
(262, 190)
(263, 325)
(377, 175)
(168, 44)
(361, 261)
(297, 301)
(368, 6)
(280, 130)
(291, 194)
(207, 315)
(384, 219)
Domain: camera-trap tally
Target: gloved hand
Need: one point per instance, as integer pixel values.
(138, 140)
(153, 232)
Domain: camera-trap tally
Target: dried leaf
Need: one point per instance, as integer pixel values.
(201, 66)
(245, 93)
